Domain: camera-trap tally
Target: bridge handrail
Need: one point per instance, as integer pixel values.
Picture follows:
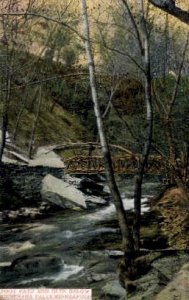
(95, 156)
(87, 145)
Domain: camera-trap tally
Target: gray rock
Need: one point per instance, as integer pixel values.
(115, 253)
(170, 265)
(178, 288)
(46, 157)
(21, 215)
(36, 264)
(113, 290)
(163, 271)
(17, 247)
(94, 202)
(61, 193)
(95, 277)
(87, 184)
(72, 180)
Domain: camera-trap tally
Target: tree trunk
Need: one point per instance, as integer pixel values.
(23, 105)
(127, 238)
(4, 122)
(34, 126)
(148, 134)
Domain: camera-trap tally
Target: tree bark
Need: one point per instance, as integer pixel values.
(23, 105)
(3, 134)
(127, 238)
(4, 122)
(148, 132)
(34, 126)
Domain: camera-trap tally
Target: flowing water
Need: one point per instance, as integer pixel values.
(78, 238)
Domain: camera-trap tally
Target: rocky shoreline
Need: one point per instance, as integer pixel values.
(47, 193)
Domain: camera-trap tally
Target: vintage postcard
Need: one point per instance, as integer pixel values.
(94, 149)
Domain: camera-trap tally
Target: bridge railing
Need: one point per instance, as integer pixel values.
(121, 164)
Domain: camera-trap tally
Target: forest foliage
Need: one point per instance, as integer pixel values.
(40, 48)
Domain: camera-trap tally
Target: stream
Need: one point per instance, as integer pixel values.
(88, 243)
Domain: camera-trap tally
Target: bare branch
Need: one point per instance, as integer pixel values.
(170, 7)
(108, 105)
(138, 37)
(45, 80)
(159, 103)
(175, 91)
(124, 54)
(45, 17)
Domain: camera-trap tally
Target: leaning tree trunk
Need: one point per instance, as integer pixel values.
(127, 238)
(34, 125)
(148, 135)
(4, 124)
(17, 123)
(4, 121)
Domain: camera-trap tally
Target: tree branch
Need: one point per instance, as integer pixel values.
(45, 17)
(124, 54)
(36, 82)
(175, 91)
(138, 37)
(170, 7)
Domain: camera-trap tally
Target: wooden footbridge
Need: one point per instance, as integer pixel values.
(121, 164)
(87, 158)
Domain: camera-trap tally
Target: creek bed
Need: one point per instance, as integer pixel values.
(88, 243)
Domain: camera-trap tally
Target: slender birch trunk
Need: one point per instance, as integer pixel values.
(127, 238)
(148, 132)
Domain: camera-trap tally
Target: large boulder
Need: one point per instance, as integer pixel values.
(15, 248)
(177, 288)
(62, 193)
(159, 277)
(21, 215)
(39, 264)
(113, 290)
(96, 202)
(90, 186)
(48, 158)
(95, 197)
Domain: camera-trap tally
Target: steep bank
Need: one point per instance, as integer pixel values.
(173, 209)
